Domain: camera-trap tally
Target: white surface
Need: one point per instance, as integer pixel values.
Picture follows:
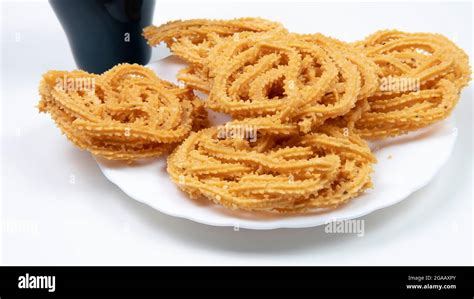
(57, 207)
(411, 160)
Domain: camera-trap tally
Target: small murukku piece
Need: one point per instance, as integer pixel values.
(127, 113)
(368, 71)
(196, 78)
(283, 78)
(392, 116)
(421, 77)
(323, 169)
(192, 40)
(426, 56)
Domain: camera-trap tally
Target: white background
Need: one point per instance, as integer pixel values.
(58, 209)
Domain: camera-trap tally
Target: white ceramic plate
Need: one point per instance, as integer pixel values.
(405, 164)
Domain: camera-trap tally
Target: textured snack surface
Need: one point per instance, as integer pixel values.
(301, 105)
(323, 169)
(282, 78)
(126, 113)
(311, 98)
(422, 75)
(261, 73)
(192, 40)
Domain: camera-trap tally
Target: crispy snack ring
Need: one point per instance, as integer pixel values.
(427, 56)
(282, 78)
(285, 174)
(198, 77)
(369, 73)
(191, 40)
(128, 113)
(392, 116)
(435, 65)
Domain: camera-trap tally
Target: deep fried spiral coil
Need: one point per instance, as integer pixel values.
(128, 113)
(191, 40)
(438, 69)
(283, 78)
(286, 174)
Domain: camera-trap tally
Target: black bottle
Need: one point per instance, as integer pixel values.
(103, 33)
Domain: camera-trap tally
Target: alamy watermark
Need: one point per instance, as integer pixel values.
(15, 226)
(66, 83)
(28, 281)
(399, 84)
(353, 226)
(248, 132)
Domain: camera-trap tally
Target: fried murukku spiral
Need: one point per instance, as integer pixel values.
(434, 65)
(368, 72)
(323, 169)
(282, 78)
(192, 40)
(126, 113)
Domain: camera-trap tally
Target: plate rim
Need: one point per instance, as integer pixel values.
(269, 225)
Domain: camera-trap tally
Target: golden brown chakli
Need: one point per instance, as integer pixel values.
(311, 98)
(126, 113)
(275, 173)
(301, 107)
(421, 75)
(389, 84)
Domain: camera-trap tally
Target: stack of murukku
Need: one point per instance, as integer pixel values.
(310, 100)
(302, 106)
(127, 113)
